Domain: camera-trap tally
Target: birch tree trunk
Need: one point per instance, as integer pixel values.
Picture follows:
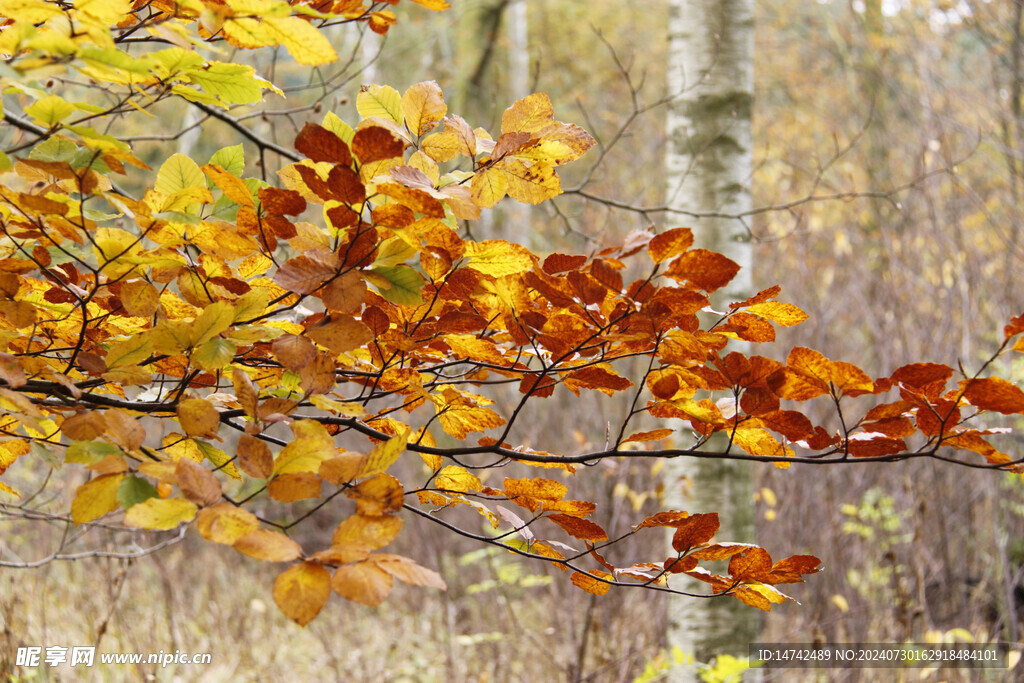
(708, 165)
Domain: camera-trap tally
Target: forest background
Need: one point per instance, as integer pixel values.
(887, 180)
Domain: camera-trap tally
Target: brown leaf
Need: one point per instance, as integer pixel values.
(304, 274)
(197, 483)
(341, 334)
(319, 144)
(293, 352)
(85, 425)
(278, 201)
(580, 528)
(374, 143)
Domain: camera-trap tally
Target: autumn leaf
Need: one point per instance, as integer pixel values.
(591, 584)
(362, 582)
(160, 513)
(269, 546)
(995, 394)
(301, 591)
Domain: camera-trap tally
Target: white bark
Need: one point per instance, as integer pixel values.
(708, 165)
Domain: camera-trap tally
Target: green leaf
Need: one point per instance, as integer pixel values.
(232, 83)
(405, 288)
(5, 163)
(50, 456)
(112, 58)
(231, 159)
(89, 452)
(219, 458)
(134, 490)
(177, 173)
(214, 354)
(58, 148)
(379, 100)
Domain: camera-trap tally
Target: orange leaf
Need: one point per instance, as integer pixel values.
(753, 564)
(694, 530)
(267, 545)
(302, 590)
(380, 495)
(792, 568)
(670, 244)
(362, 582)
(995, 394)
(590, 584)
(294, 486)
(370, 532)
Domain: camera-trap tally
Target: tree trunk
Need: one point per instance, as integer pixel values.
(708, 164)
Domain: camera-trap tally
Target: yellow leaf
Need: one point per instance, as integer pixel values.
(455, 478)
(198, 417)
(160, 513)
(129, 352)
(529, 114)
(778, 312)
(302, 590)
(304, 43)
(423, 106)
(498, 258)
(380, 100)
(488, 187)
(383, 455)
(530, 183)
(371, 532)
(178, 173)
(95, 498)
(225, 523)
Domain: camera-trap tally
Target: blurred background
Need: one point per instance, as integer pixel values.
(888, 168)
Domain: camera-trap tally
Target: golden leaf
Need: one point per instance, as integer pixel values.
(302, 590)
